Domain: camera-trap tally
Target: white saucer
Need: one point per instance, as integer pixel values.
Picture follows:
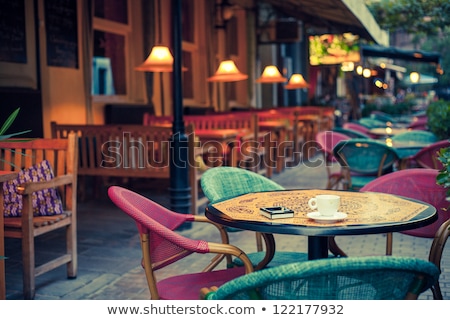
(325, 219)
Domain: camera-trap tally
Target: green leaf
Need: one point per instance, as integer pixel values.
(9, 121)
(7, 136)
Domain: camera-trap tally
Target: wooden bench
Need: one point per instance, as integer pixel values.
(130, 151)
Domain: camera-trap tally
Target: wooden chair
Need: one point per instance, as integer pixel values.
(62, 156)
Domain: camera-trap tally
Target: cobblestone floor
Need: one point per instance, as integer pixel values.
(109, 252)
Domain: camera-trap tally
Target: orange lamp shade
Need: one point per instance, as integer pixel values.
(227, 72)
(296, 82)
(271, 74)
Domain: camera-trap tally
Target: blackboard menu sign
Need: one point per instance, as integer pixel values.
(62, 33)
(13, 42)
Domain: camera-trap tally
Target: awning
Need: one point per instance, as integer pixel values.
(395, 53)
(337, 16)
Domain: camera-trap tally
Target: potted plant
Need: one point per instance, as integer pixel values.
(443, 178)
(438, 113)
(9, 121)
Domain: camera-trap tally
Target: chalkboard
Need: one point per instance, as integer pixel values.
(62, 33)
(13, 42)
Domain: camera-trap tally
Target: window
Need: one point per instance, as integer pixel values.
(111, 38)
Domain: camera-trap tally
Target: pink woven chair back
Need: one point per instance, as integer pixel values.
(428, 156)
(327, 140)
(419, 184)
(166, 246)
(419, 124)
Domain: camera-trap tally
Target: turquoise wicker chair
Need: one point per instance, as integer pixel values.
(358, 278)
(223, 183)
(416, 136)
(351, 133)
(363, 160)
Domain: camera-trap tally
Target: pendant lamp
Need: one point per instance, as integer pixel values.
(227, 72)
(159, 60)
(296, 82)
(271, 74)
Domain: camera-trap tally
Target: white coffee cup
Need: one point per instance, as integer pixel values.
(326, 204)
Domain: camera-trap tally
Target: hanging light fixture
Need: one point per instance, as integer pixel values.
(414, 77)
(271, 74)
(296, 82)
(159, 60)
(227, 72)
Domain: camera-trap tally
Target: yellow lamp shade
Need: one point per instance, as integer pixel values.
(296, 82)
(227, 72)
(271, 74)
(159, 60)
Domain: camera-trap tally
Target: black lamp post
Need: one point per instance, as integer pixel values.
(180, 197)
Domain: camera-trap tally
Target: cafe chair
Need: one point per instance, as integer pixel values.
(435, 256)
(162, 246)
(372, 123)
(420, 123)
(420, 136)
(419, 184)
(351, 133)
(223, 183)
(327, 140)
(382, 116)
(355, 278)
(427, 157)
(363, 160)
(41, 201)
(358, 127)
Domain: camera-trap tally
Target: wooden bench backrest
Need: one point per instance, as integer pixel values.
(18, 154)
(239, 120)
(120, 150)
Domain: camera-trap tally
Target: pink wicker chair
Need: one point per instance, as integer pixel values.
(427, 157)
(437, 248)
(417, 183)
(161, 247)
(420, 184)
(327, 140)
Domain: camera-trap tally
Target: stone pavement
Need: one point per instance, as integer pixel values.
(109, 252)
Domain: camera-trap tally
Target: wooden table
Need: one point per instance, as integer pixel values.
(4, 176)
(367, 213)
(280, 129)
(218, 142)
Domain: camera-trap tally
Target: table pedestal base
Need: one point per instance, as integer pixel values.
(317, 247)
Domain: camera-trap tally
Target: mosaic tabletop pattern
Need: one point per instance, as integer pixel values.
(360, 207)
